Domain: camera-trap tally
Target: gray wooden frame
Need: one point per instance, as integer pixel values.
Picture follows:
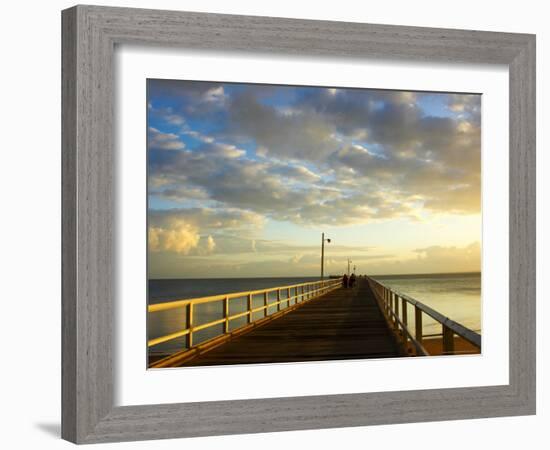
(89, 37)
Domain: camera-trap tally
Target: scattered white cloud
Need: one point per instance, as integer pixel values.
(164, 141)
(199, 136)
(215, 94)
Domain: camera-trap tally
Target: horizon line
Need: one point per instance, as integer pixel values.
(327, 276)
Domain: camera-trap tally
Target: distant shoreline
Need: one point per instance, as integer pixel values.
(408, 275)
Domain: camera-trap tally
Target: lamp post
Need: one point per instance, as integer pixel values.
(349, 262)
(323, 254)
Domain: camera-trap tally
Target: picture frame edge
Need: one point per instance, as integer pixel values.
(89, 34)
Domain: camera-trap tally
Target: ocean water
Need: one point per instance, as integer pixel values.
(457, 296)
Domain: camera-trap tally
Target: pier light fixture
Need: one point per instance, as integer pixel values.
(323, 240)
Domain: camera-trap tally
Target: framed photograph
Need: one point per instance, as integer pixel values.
(242, 179)
(268, 222)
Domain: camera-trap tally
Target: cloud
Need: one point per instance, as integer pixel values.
(194, 98)
(163, 188)
(199, 136)
(295, 171)
(180, 238)
(210, 244)
(207, 219)
(257, 265)
(272, 188)
(212, 149)
(163, 141)
(468, 106)
(166, 114)
(191, 231)
(442, 255)
(233, 157)
(230, 179)
(384, 139)
(214, 95)
(433, 259)
(296, 134)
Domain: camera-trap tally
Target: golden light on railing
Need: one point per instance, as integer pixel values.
(297, 293)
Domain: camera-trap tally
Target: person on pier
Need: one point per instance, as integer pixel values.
(351, 280)
(345, 281)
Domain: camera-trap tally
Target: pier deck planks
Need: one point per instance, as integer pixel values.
(343, 324)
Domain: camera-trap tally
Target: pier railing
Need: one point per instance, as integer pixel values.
(287, 299)
(393, 304)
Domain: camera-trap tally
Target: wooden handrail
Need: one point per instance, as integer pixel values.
(216, 298)
(385, 296)
(314, 290)
(470, 335)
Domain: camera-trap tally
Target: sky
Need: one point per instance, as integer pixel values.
(244, 178)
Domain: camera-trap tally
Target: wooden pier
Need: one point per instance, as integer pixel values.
(343, 324)
(314, 322)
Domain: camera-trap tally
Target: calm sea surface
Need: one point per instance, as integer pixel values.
(457, 296)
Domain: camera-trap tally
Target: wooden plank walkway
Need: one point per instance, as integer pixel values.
(343, 324)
